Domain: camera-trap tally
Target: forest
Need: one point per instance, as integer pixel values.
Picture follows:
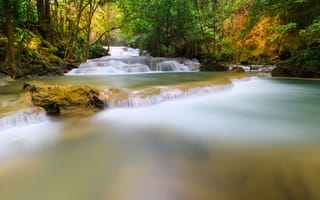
(50, 37)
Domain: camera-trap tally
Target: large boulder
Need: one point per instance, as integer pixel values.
(64, 99)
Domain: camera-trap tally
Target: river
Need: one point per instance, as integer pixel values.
(258, 139)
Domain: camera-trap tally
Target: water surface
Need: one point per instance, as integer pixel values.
(258, 140)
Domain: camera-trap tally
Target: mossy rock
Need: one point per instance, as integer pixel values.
(64, 99)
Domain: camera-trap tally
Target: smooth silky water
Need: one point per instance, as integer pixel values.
(257, 140)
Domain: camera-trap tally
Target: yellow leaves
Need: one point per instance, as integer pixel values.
(34, 43)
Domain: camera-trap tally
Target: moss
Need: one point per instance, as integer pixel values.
(61, 99)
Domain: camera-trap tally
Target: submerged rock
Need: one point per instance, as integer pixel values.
(58, 100)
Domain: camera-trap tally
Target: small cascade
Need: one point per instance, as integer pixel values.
(254, 68)
(166, 94)
(23, 118)
(171, 65)
(108, 67)
(123, 51)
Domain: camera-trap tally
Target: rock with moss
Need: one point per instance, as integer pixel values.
(60, 100)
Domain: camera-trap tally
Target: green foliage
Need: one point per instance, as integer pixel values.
(211, 63)
(244, 61)
(97, 51)
(312, 32)
(54, 59)
(305, 63)
(164, 27)
(282, 30)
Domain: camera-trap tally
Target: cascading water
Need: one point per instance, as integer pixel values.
(23, 118)
(171, 65)
(127, 60)
(108, 67)
(165, 94)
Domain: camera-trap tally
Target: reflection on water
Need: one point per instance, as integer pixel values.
(259, 140)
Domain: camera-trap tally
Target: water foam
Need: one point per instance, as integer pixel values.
(23, 118)
(166, 94)
(126, 61)
(108, 67)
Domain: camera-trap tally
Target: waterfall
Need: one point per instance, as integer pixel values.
(171, 65)
(108, 67)
(166, 94)
(125, 60)
(22, 118)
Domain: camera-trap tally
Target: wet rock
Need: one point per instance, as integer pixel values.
(281, 71)
(60, 100)
(237, 69)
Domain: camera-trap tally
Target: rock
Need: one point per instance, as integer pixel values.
(237, 69)
(60, 100)
(281, 71)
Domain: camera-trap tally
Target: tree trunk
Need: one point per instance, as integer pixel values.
(44, 18)
(214, 10)
(10, 57)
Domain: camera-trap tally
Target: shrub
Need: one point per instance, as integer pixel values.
(96, 51)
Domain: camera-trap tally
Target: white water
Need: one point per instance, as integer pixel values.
(125, 60)
(171, 65)
(23, 118)
(108, 67)
(123, 51)
(254, 68)
(26, 138)
(24, 131)
(165, 94)
(259, 140)
(253, 111)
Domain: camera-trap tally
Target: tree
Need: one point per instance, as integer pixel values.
(312, 32)
(10, 61)
(44, 18)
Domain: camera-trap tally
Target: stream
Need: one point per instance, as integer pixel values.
(257, 139)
